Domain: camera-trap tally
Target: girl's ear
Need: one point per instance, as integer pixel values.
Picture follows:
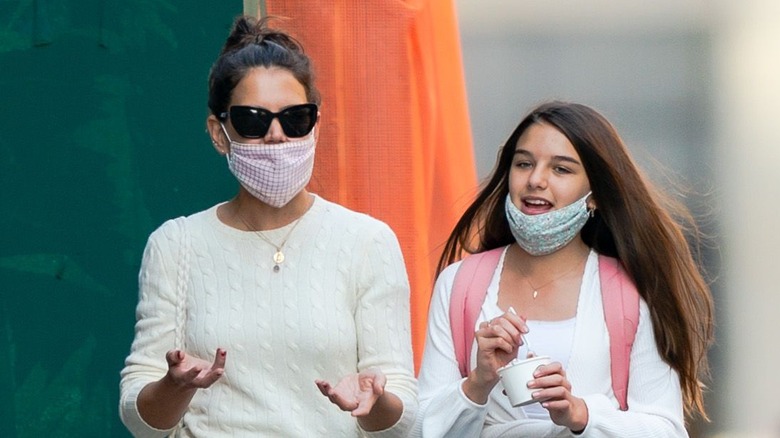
(591, 205)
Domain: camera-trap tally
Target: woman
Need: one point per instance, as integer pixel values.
(564, 191)
(250, 309)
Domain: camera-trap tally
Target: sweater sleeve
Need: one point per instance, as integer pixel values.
(444, 408)
(154, 328)
(383, 324)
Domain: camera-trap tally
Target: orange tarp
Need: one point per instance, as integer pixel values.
(395, 140)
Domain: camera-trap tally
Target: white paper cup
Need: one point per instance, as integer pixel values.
(515, 377)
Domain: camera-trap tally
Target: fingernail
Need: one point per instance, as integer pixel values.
(512, 310)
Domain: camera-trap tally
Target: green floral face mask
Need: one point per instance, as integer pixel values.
(541, 234)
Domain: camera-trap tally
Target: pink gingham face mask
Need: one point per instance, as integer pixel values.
(273, 173)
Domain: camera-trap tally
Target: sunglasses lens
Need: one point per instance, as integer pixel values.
(298, 120)
(254, 122)
(250, 122)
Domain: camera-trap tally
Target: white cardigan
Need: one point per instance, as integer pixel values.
(654, 395)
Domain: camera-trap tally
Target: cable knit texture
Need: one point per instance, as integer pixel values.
(339, 304)
(654, 395)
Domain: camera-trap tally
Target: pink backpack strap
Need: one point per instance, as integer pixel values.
(468, 293)
(621, 312)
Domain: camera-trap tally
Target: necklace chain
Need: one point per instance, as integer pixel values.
(537, 288)
(278, 257)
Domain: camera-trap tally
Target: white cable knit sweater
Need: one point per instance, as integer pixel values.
(339, 304)
(654, 395)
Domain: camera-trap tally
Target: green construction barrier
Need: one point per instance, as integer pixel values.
(102, 138)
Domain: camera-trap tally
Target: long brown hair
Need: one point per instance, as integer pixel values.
(633, 222)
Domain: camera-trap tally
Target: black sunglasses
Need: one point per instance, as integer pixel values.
(254, 122)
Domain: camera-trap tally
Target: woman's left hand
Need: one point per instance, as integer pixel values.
(356, 393)
(554, 389)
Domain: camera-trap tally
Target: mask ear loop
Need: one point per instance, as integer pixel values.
(315, 131)
(230, 141)
(224, 131)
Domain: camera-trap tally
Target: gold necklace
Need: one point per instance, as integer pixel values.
(536, 289)
(278, 257)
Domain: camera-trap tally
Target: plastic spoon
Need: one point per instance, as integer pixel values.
(522, 336)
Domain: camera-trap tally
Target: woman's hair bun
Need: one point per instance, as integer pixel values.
(248, 30)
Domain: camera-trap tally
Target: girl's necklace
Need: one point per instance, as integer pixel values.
(536, 289)
(278, 257)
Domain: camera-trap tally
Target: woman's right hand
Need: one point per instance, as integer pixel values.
(188, 371)
(498, 342)
(162, 403)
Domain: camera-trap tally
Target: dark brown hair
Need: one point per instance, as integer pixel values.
(251, 44)
(633, 222)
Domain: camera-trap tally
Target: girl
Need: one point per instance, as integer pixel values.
(565, 191)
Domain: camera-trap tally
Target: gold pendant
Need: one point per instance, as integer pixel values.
(278, 257)
(536, 293)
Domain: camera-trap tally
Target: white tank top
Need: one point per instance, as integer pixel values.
(548, 338)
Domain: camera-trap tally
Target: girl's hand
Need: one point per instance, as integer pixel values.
(498, 341)
(554, 389)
